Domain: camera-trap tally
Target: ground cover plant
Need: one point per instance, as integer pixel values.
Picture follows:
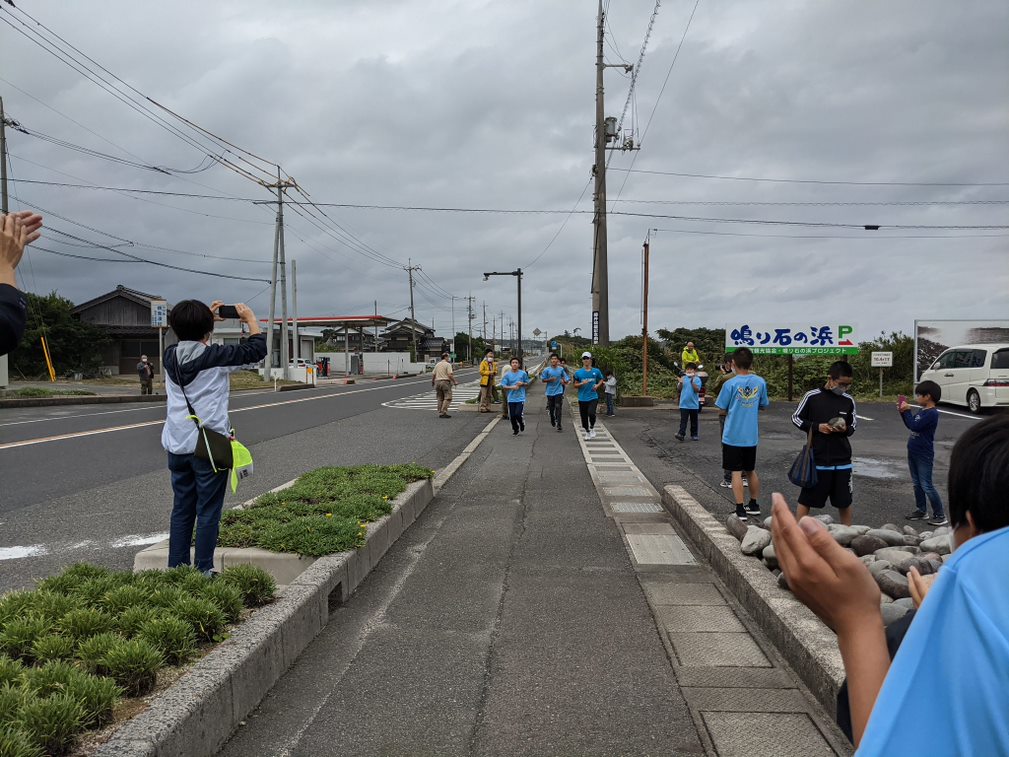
(326, 511)
(74, 648)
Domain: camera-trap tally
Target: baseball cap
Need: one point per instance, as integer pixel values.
(586, 354)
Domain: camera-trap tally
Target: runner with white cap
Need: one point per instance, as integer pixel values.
(588, 380)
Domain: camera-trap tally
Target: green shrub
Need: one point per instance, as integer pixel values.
(313, 537)
(363, 507)
(91, 651)
(129, 623)
(151, 578)
(86, 571)
(122, 598)
(194, 584)
(92, 591)
(18, 636)
(12, 699)
(176, 576)
(53, 606)
(14, 742)
(166, 596)
(16, 604)
(256, 585)
(51, 678)
(52, 722)
(61, 584)
(133, 664)
(10, 671)
(83, 623)
(53, 646)
(206, 619)
(173, 637)
(98, 696)
(228, 598)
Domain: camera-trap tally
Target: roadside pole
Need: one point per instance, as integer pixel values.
(644, 325)
(294, 306)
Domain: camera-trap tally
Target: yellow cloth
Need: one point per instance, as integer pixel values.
(242, 465)
(488, 370)
(689, 356)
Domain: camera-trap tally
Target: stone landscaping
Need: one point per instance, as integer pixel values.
(889, 552)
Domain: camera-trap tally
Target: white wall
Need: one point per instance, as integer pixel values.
(375, 362)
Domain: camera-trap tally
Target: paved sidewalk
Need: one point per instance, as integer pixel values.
(519, 616)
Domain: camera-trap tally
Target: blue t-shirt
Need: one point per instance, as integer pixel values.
(587, 392)
(922, 426)
(511, 379)
(554, 387)
(688, 393)
(742, 397)
(956, 650)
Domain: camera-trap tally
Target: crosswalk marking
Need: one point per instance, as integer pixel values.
(429, 401)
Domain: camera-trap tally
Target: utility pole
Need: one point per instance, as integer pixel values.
(294, 307)
(644, 325)
(469, 311)
(452, 298)
(410, 268)
(278, 262)
(3, 210)
(376, 326)
(483, 333)
(600, 279)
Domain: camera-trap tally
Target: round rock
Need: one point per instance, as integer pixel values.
(941, 531)
(890, 527)
(755, 539)
(861, 529)
(893, 612)
(843, 535)
(893, 538)
(868, 560)
(884, 599)
(893, 583)
(879, 566)
(736, 527)
(866, 544)
(897, 556)
(770, 558)
(937, 544)
(909, 530)
(782, 582)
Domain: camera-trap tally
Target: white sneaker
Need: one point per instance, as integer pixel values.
(592, 434)
(585, 435)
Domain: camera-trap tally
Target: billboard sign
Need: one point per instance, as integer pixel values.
(792, 338)
(159, 314)
(932, 338)
(882, 360)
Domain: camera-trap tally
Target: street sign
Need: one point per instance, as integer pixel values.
(554, 345)
(536, 332)
(792, 338)
(159, 314)
(882, 360)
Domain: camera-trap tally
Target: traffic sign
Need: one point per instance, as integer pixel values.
(159, 313)
(882, 360)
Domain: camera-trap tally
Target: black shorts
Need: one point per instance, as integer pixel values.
(739, 458)
(834, 485)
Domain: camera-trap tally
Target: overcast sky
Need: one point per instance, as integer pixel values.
(477, 104)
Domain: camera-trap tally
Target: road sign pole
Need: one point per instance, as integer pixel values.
(881, 383)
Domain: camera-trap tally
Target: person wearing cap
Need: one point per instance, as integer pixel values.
(146, 372)
(588, 380)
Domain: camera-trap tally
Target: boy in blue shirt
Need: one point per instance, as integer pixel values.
(515, 383)
(555, 378)
(588, 381)
(742, 398)
(690, 387)
(921, 450)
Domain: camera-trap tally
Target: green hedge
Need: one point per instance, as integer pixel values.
(82, 640)
(326, 511)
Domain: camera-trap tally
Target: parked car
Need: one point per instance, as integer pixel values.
(974, 375)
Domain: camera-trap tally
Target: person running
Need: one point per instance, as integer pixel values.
(556, 378)
(690, 387)
(515, 383)
(588, 380)
(488, 373)
(443, 379)
(830, 413)
(742, 398)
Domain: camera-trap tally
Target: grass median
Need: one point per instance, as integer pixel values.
(326, 511)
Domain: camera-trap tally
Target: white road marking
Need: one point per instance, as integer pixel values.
(17, 553)
(38, 550)
(138, 541)
(429, 401)
(950, 412)
(863, 418)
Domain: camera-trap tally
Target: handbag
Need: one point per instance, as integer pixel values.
(212, 446)
(803, 470)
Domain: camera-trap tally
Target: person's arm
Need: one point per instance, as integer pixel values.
(854, 419)
(801, 417)
(841, 591)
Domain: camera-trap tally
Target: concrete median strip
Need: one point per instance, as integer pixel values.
(800, 637)
(198, 714)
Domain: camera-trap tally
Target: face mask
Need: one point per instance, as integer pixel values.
(952, 543)
(690, 375)
(839, 390)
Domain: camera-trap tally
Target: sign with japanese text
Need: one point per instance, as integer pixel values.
(159, 313)
(882, 359)
(792, 339)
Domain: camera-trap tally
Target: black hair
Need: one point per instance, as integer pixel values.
(609, 373)
(978, 480)
(446, 356)
(838, 369)
(191, 320)
(690, 367)
(488, 352)
(929, 388)
(743, 358)
(516, 357)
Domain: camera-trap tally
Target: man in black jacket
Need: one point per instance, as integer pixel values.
(17, 231)
(830, 413)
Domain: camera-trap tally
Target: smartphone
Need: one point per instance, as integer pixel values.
(227, 311)
(901, 399)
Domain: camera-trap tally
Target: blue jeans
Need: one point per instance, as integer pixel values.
(688, 415)
(921, 477)
(516, 411)
(609, 403)
(199, 497)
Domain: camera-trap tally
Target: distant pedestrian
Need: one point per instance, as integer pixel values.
(689, 355)
(515, 383)
(921, 450)
(556, 379)
(690, 387)
(488, 375)
(146, 372)
(830, 413)
(611, 393)
(742, 398)
(588, 380)
(443, 379)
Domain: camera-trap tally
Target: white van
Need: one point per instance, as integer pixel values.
(975, 375)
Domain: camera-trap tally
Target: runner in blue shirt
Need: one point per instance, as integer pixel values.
(515, 383)
(589, 381)
(742, 398)
(555, 378)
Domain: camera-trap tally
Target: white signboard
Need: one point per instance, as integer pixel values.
(810, 338)
(882, 360)
(159, 313)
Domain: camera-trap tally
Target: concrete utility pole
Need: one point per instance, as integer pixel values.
(483, 333)
(644, 324)
(600, 277)
(294, 307)
(376, 327)
(4, 379)
(410, 268)
(469, 311)
(278, 262)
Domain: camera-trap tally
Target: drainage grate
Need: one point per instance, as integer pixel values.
(636, 507)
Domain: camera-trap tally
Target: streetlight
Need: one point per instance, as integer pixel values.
(517, 273)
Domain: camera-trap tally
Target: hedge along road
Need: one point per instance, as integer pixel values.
(104, 485)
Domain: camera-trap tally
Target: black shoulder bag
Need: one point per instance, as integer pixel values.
(212, 446)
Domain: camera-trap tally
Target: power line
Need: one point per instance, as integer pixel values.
(819, 181)
(136, 190)
(859, 237)
(909, 203)
(562, 226)
(637, 67)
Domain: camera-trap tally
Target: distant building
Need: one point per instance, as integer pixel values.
(125, 314)
(399, 337)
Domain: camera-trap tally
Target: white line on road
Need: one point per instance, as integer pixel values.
(863, 418)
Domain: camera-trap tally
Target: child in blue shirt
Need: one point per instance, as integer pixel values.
(921, 451)
(589, 380)
(515, 383)
(555, 378)
(690, 387)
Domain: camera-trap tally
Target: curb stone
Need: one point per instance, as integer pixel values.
(198, 713)
(802, 639)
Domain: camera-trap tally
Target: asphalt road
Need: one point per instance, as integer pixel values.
(882, 484)
(90, 482)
